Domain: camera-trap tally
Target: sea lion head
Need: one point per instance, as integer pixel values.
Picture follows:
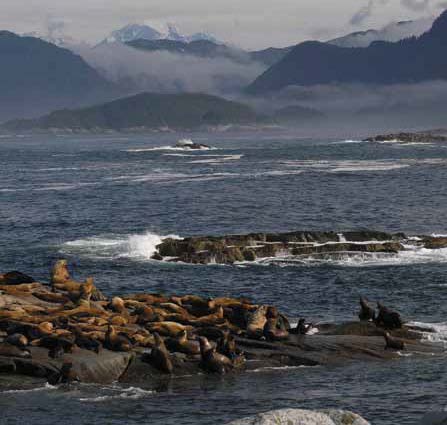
(60, 273)
(272, 312)
(117, 304)
(205, 345)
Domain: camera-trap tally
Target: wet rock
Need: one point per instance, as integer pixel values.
(303, 417)
(15, 278)
(233, 248)
(435, 242)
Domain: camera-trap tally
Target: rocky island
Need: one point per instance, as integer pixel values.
(231, 249)
(66, 330)
(419, 137)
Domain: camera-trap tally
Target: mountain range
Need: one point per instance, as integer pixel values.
(408, 61)
(37, 76)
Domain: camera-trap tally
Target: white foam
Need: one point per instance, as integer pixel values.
(131, 393)
(46, 387)
(435, 332)
(278, 368)
(219, 160)
(138, 247)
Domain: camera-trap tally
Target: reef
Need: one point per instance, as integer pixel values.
(66, 330)
(300, 244)
(418, 137)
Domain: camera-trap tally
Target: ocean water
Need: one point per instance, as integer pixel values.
(104, 202)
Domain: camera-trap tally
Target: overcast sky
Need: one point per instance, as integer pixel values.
(247, 23)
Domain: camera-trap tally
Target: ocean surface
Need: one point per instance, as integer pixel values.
(104, 202)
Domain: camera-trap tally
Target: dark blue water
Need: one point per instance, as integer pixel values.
(103, 203)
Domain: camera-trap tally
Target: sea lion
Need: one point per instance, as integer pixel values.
(367, 313)
(171, 329)
(55, 344)
(68, 374)
(115, 341)
(181, 344)
(18, 340)
(387, 318)
(159, 356)
(301, 328)
(393, 343)
(15, 278)
(117, 305)
(212, 361)
(256, 322)
(211, 319)
(146, 315)
(271, 331)
(9, 350)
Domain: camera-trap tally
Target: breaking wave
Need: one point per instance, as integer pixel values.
(138, 247)
(181, 145)
(131, 393)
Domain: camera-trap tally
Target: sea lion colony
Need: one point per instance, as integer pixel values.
(66, 315)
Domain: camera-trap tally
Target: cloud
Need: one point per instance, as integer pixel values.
(167, 72)
(416, 5)
(366, 11)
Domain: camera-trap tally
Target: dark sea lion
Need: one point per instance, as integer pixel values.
(115, 341)
(387, 318)
(212, 361)
(366, 313)
(9, 350)
(159, 356)
(301, 328)
(19, 340)
(272, 332)
(54, 343)
(393, 343)
(181, 344)
(68, 374)
(15, 278)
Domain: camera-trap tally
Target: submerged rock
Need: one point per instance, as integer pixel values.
(303, 417)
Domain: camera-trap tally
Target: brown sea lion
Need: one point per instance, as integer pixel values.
(115, 341)
(367, 313)
(19, 340)
(147, 298)
(212, 361)
(9, 350)
(181, 344)
(211, 319)
(231, 302)
(387, 318)
(159, 356)
(68, 373)
(256, 322)
(393, 343)
(271, 331)
(117, 305)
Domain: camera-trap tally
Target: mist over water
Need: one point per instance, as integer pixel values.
(105, 202)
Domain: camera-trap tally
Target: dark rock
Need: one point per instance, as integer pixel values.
(408, 138)
(15, 278)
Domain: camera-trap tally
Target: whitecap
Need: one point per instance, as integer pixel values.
(137, 246)
(46, 387)
(131, 393)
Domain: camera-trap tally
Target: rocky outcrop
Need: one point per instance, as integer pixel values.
(303, 417)
(408, 138)
(250, 247)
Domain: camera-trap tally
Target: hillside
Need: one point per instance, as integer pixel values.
(408, 61)
(145, 110)
(36, 77)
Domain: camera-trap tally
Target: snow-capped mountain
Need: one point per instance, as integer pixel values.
(392, 32)
(134, 32)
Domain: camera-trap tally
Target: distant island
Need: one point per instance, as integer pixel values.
(148, 111)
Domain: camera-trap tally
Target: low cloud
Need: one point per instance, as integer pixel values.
(166, 72)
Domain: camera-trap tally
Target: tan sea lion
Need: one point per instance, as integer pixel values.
(272, 332)
(211, 319)
(256, 322)
(167, 328)
(181, 344)
(393, 343)
(212, 361)
(159, 356)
